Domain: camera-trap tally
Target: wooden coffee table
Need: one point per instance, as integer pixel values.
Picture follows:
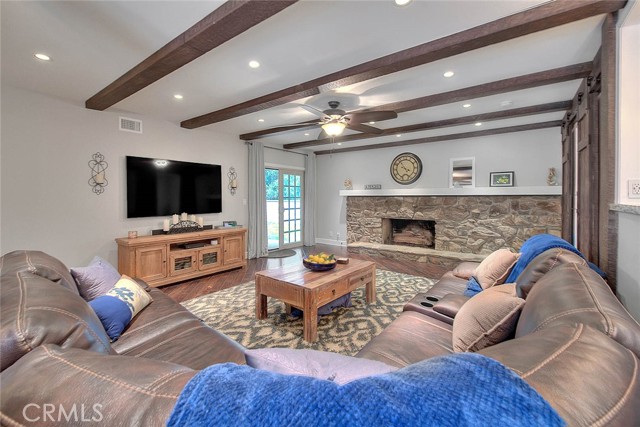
(307, 290)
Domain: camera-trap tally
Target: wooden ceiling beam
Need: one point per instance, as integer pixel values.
(548, 15)
(486, 117)
(463, 135)
(527, 81)
(229, 20)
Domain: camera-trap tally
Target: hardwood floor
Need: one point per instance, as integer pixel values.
(216, 282)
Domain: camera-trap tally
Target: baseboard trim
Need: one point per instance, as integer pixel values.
(331, 242)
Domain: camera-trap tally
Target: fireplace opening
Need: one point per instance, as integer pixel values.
(409, 232)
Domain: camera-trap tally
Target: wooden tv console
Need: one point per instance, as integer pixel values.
(168, 258)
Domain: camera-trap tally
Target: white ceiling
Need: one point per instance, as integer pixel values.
(94, 42)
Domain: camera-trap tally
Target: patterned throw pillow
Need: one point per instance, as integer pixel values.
(95, 279)
(487, 318)
(117, 307)
(495, 268)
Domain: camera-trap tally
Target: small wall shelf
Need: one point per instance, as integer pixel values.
(465, 191)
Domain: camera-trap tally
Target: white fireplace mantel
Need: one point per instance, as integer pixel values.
(469, 191)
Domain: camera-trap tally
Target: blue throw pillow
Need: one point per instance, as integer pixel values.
(121, 304)
(473, 287)
(114, 314)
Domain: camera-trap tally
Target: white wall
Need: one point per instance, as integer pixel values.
(628, 157)
(529, 154)
(47, 203)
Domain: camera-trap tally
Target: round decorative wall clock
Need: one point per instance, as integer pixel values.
(406, 168)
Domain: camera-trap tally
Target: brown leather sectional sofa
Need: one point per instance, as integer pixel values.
(574, 343)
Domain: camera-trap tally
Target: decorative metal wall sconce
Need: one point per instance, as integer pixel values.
(98, 179)
(233, 180)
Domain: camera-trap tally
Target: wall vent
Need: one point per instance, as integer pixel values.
(130, 125)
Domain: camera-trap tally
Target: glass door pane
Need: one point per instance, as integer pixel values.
(291, 234)
(272, 180)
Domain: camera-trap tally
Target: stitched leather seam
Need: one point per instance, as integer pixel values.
(79, 319)
(168, 377)
(20, 332)
(604, 420)
(557, 353)
(163, 342)
(9, 421)
(434, 325)
(108, 378)
(611, 329)
(559, 315)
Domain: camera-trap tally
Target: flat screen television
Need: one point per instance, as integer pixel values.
(159, 187)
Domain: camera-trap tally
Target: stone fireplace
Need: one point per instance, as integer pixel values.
(473, 225)
(409, 232)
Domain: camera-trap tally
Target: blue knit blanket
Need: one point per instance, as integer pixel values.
(533, 247)
(463, 389)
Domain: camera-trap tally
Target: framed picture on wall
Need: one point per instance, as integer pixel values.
(501, 179)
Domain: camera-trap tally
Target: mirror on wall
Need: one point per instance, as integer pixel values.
(462, 172)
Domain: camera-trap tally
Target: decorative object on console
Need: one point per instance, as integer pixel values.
(229, 223)
(501, 179)
(184, 226)
(132, 234)
(98, 179)
(406, 168)
(233, 180)
(348, 185)
(551, 177)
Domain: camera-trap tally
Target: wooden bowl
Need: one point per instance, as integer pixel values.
(314, 266)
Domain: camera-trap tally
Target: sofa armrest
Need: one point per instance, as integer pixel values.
(450, 304)
(107, 390)
(465, 269)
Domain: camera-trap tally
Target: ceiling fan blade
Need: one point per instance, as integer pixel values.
(371, 116)
(322, 135)
(314, 110)
(364, 128)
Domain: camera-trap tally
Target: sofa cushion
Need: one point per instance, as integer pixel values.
(495, 268)
(104, 390)
(167, 331)
(39, 264)
(541, 265)
(37, 310)
(323, 365)
(586, 376)
(574, 293)
(410, 338)
(121, 304)
(465, 269)
(487, 319)
(95, 279)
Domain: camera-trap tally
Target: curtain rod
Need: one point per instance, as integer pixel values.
(282, 149)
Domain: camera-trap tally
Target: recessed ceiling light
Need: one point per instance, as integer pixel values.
(466, 106)
(402, 2)
(372, 123)
(254, 64)
(398, 135)
(339, 143)
(506, 103)
(478, 124)
(178, 96)
(306, 134)
(261, 120)
(448, 74)
(42, 56)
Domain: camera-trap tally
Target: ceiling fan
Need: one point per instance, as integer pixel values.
(334, 120)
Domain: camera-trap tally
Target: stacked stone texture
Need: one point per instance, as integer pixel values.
(478, 225)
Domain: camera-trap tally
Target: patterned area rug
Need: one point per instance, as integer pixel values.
(345, 330)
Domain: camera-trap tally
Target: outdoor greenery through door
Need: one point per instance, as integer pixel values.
(284, 208)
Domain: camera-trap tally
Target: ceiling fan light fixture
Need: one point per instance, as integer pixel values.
(402, 2)
(333, 128)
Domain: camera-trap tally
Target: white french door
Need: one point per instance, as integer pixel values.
(285, 201)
